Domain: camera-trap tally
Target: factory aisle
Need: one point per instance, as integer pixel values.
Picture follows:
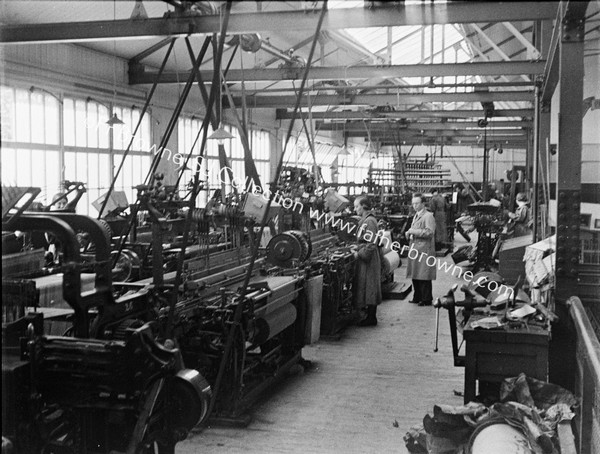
(362, 393)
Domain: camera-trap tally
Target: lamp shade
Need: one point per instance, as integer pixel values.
(114, 120)
(343, 151)
(220, 134)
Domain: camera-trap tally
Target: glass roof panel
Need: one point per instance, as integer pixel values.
(412, 44)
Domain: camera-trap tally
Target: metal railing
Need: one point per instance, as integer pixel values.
(587, 380)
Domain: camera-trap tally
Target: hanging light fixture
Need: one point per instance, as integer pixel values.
(139, 12)
(343, 151)
(114, 119)
(220, 135)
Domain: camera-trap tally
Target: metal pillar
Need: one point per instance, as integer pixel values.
(568, 181)
(535, 200)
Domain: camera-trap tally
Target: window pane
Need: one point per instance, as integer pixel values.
(104, 130)
(37, 117)
(145, 133)
(38, 171)
(81, 124)
(52, 182)
(92, 128)
(92, 181)
(7, 112)
(9, 166)
(104, 178)
(51, 119)
(23, 120)
(24, 166)
(69, 122)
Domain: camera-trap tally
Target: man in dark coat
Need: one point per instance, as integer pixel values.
(438, 206)
(367, 276)
(422, 250)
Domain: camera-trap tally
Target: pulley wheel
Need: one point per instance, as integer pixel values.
(283, 249)
(123, 269)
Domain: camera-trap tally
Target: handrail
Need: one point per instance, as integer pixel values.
(587, 377)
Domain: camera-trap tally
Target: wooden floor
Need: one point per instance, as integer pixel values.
(362, 393)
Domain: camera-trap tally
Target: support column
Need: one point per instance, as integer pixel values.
(568, 190)
(535, 200)
(568, 181)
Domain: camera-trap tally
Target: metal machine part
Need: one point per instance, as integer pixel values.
(266, 343)
(113, 387)
(487, 220)
(347, 234)
(289, 248)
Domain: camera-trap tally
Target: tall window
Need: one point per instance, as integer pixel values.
(46, 140)
(30, 151)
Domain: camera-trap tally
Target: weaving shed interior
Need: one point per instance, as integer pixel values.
(357, 97)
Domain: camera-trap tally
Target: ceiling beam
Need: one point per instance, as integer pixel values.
(373, 134)
(283, 114)
(150, 50)
(455, 142)
(425, 126)
(381, 99)
(417, 14)
(138, 75)
(390, 88)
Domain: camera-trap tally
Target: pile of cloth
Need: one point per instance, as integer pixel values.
(528, 412)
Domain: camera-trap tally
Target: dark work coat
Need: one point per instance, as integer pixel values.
(367, 276)
(424, 242)
(438, 207)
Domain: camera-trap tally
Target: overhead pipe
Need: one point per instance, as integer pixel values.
(252, 42)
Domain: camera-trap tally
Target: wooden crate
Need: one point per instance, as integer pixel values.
(511, 258)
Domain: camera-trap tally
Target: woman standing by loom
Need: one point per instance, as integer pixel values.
(367, 276)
